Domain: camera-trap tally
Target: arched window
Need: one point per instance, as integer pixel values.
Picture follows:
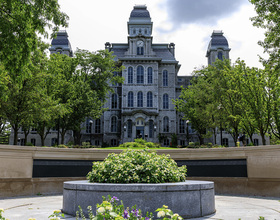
(97, 126)
(165, 78)
(130, 99)
(140, 74)
(165, 124)
(149, 99)
(140, 99)
(140, 50)
(114, 100)
(220, 55)
(130, 75)
(150, 75)
(114, 124)
(165, 101)
(181, 126)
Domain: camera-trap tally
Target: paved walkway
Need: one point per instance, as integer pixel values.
(228, 208)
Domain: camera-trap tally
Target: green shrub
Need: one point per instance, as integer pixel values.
(62, 146)
(139, 143)
(137, 166)
(29, 144)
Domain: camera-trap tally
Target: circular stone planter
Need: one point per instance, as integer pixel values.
(189, 199)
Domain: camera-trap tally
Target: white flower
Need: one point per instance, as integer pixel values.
(101, 210)
(109, 208)
(161, 214)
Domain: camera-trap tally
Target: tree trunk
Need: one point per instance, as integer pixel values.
(62, 134)
(15, 127)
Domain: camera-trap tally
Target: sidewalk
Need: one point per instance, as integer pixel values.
(228, 208)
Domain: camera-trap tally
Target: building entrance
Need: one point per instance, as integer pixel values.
(140, 132)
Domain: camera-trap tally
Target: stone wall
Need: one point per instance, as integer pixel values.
(262, 162)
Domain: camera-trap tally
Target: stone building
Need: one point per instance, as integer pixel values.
(141, 107)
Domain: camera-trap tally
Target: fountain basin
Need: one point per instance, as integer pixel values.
(189, 199)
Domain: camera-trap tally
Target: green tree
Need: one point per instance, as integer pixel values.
(268, 18)
(20, 23)
(24, 97)
(84, 83)
(256, 102)
(194, 103)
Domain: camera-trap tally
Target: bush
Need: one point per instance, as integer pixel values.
(140, 143)
(29, 144)
(137, 166)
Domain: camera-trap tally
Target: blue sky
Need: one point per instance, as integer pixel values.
(187, 23)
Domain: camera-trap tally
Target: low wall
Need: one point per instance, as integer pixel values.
(36, 170)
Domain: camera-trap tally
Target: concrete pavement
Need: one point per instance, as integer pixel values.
(228, 208)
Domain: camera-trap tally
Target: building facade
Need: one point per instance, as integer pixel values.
(141, 107)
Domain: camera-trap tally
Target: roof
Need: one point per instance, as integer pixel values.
(140, 11)
(61, 39)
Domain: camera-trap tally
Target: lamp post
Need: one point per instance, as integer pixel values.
(187, 122)
(124, 130)
(90, 127)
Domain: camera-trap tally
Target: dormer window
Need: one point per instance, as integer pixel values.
(140, 47)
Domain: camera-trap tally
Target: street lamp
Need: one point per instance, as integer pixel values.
(90, 127)
(187, 122)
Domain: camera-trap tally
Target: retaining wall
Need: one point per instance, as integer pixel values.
(26, 171)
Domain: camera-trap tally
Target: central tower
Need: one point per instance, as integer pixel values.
(140, 29)
(141, 107)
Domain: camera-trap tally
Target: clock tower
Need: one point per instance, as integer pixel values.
(140, 29)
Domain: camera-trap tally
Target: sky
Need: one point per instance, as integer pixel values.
(187, 23)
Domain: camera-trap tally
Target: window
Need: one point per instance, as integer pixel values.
(53, 141)
(151, 129)
(33, 141)
(96, 142)
(113, 142)
(130, 99)
(150, 75)
(129, 128)
(256, 142)
(140, 50)
(165, 124)
(130, 75)
(182, 142)
(88, 125)
(140, 74)
(114, 124)
(149, 99)
(225, 142)
(181, 126)
(166, 142)
(97, 126)
(114, 100)
(165, 101)
(140, 99)
(22, 140)
(220, 55)
(165, 78)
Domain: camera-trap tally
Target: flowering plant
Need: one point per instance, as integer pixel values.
(56, 215)
(1, 215)
(109, 209)
(137, 166)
